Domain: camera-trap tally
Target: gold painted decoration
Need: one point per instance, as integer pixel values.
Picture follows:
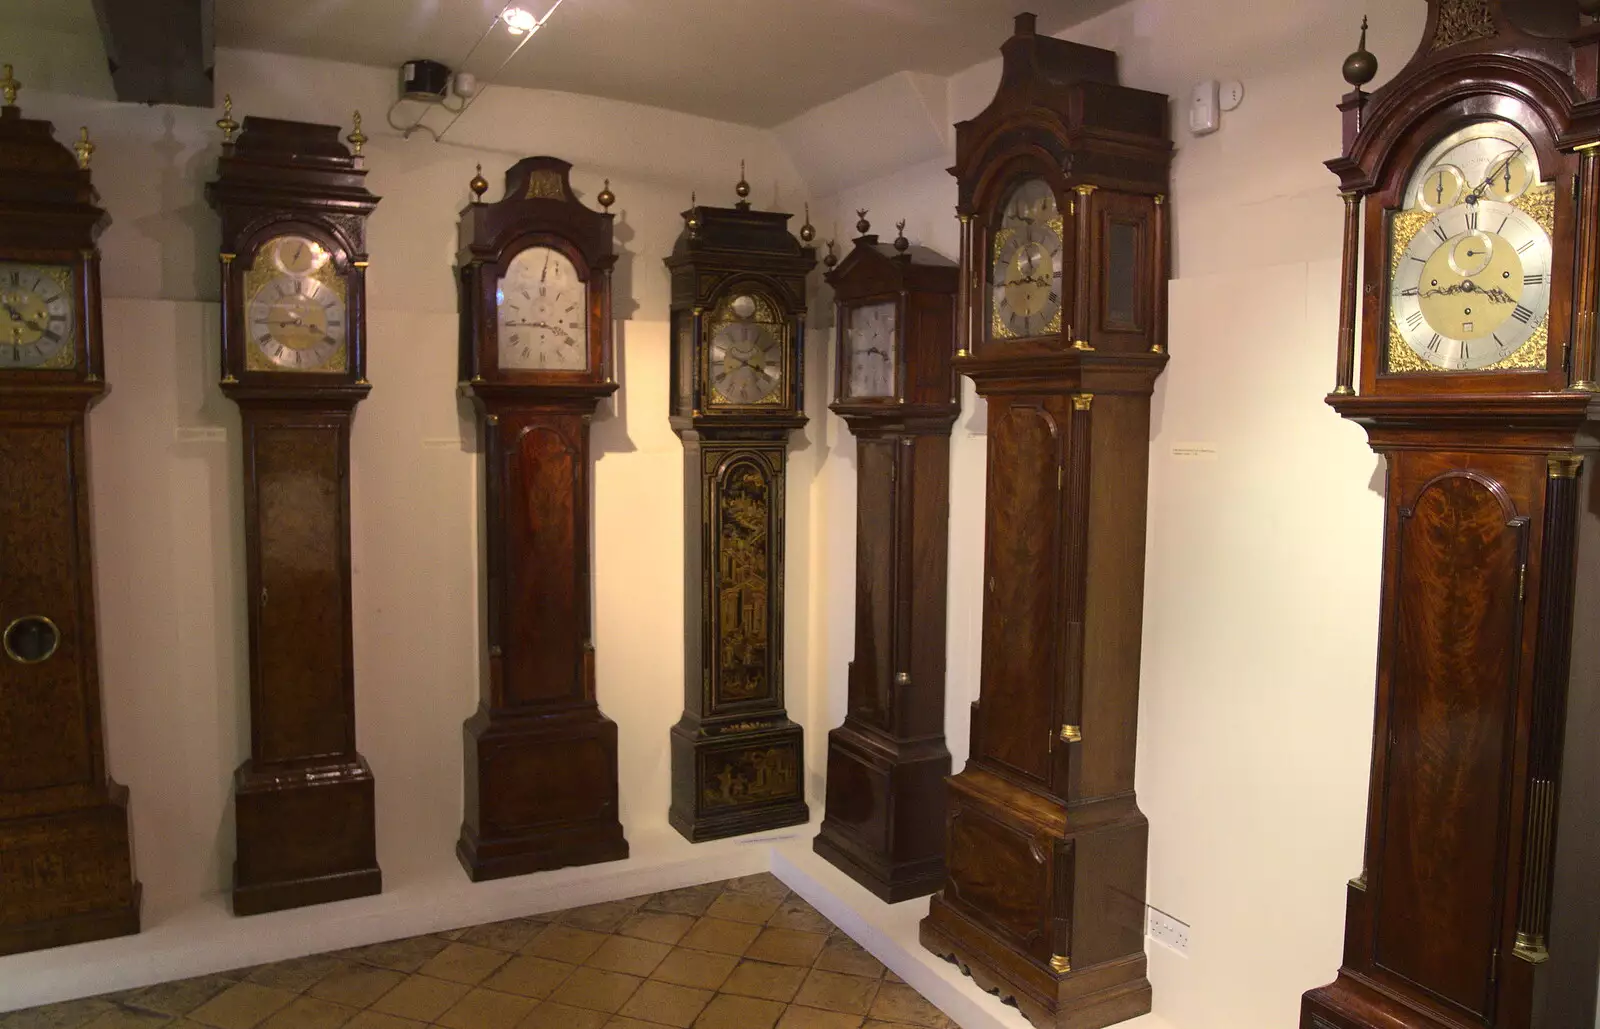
(746, 776)
(545, 184)
(743, 573)
(1462, 21)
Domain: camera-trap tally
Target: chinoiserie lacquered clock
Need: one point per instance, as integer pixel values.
(1471, 184)
(536, 352)
(66, 869)
(738, 326)
(294, 205)
(894, 386)
(1061, 321)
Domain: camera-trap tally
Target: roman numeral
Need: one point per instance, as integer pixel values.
(1409, 292)
(1466, 350)
(1522, 314)
(1439, 231)
(1433, 344)
(1414, 320)
(1532, 280)
(264, 338)
(1503, 223)
(1472, 221)
(1524, 248)
(52, 336)
(1055, 298)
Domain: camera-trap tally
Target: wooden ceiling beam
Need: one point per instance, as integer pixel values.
(159, 51)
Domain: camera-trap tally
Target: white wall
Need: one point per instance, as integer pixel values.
(167, 505)
(1262, 574)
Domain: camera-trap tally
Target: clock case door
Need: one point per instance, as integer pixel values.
(66, 864)
(1043, 898)
(1474, 905)
(884, 820)
(304, 799)
(737, 757)
(541, 759)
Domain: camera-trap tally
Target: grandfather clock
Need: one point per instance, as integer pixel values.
(894, 387)
(541, 775)
(294, 206)
(66, 865)
(1475, 176)
(1062, 326)
(738, 331)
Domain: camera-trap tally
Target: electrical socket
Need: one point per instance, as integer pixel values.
(1168, 931)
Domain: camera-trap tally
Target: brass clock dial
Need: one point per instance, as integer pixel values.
(870, 349)
(746, 353)
(543, 308)
(1471, 257)
(1026, 264)
(38, 323)
(295, 314)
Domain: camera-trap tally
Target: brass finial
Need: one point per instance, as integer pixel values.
(900, 242)
(743, 187)
(862, 225)
(832, 258)
(479, 186)
(10, 84)
(606, 197)
(357, 139)
(1361, 67)
(808, 232)
(692, 217)
(226, 122)
(83, 148)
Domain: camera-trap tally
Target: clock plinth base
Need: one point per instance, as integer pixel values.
(884, 825)
(68, 877)
(541, 793)
(1349, 1002)
(727, 782)
(1090, 998)
(306, 835)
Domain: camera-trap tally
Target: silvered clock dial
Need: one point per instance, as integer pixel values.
(746, 355)
(870, 349)
(295, 316)
(543, 313)
(1026, 264)
(1471, 256)
(38, 325)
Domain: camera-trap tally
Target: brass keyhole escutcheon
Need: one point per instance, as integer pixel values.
(31, 639)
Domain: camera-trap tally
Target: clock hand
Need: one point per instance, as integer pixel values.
(1477, 194)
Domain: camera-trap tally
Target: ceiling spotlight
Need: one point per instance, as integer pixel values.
(518, 21)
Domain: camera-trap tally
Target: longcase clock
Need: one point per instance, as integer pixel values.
(1471, 184)
(541, 775)
(1061, 185)
(895, 388)
(738, 327)
(66, 867)
(294, 205)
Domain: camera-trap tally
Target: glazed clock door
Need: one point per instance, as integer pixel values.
(1021, 606)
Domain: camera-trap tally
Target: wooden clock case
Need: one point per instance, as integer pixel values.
(305, 807)
(1043, 900)
(737, 758)
(884, 820)
(66, 865)
(1476, 905)
(541, 758)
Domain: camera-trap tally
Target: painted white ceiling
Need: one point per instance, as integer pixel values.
(759, 62)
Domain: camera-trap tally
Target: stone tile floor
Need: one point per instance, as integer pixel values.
(741, 954)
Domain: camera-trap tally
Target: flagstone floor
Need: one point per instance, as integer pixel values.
(741, 954)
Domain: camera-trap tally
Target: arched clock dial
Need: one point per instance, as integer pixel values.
(295, 314)
(37, 325)
(1026, 267)
(870, 342)
(543, 307)
(746, 357)
(1472, 266)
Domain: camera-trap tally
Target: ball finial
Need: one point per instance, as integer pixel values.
(357, 139)
(900, 242)
(606, 197)
(691, 218)
(832, 258)
(479, 186)
(1361, 67)
(808, 232)
(742, 187)
(862, 225)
